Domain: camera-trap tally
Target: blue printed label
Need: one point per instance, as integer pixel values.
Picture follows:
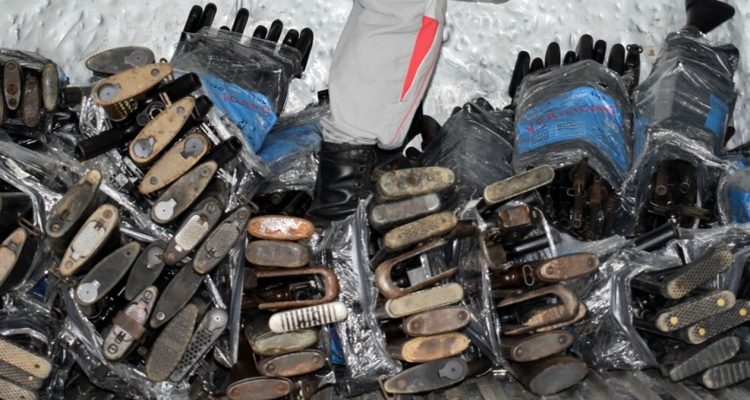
(40, 288)
(716, 116)
(252, 112)
(739, 203)
(337, 354)
(289, 141)
(639, 133)
(583, 113)
(737, 162)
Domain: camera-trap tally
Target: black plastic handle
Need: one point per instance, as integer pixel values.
(202, 105)
(225, 151)
(536, 65)
(274, 32)
(207, 18)
(616, 60)
(192, 24)
(291, 38)
(104, 142)
(585, 48)
(600, 51)
(260, 32)
(553, 56)
(181, 86)
(523, 64)
(240, 20)
(305, 44)
(570, 58)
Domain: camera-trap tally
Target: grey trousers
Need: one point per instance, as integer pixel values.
(381, 69)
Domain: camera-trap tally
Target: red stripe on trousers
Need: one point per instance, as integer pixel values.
(422, 46)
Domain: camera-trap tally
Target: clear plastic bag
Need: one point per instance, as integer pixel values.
(577, 111)
(484, 330)
(246, 78)
(733, 193)
(344, 248)
(476, 144)
(39, 177)
(290, 151)
(607, 338)
(683, 109)
(690, 91)
(25, 59)
(666, 145)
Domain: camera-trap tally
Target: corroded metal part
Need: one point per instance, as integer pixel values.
(94, 234)
(118, 94)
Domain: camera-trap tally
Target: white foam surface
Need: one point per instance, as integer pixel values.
(481, 39)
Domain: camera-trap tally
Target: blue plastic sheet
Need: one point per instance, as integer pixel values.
(252, 112)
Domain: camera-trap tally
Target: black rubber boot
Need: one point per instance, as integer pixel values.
(707, 15)
(343, 179)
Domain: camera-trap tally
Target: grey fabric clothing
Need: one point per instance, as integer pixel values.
(381, 69)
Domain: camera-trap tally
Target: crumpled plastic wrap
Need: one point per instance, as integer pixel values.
(733, 193)
(225, 286)
(26, 59)
(225, 128)
(84, 343)
(37, 176)
(246, 78)
(47, 173)
(344, 248)
(577, 111)
(474, 276)
(290, 151)
(608, 338)
(255, 64)
(682, 110)
(663, 145)
(602, 248)
(92, 120)
(693, 243)
(477, 144)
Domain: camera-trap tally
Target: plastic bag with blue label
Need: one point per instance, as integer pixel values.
(290, 151)
(682, 112)
(252, 112)
(690, 90)
(246, 78)
(564, 115)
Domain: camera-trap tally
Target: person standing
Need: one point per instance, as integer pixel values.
(381, 69)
